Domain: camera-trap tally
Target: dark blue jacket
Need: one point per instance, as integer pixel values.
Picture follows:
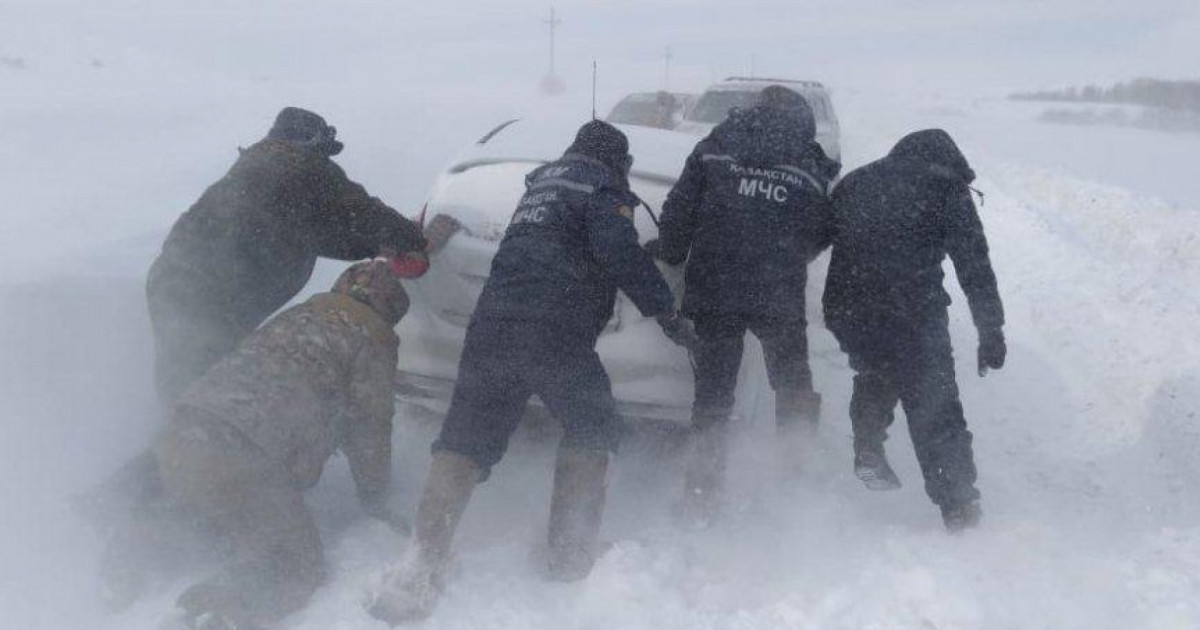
(895, 221)
(568, 248)
(745, 214)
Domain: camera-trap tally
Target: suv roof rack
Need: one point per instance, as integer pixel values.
(812, 84)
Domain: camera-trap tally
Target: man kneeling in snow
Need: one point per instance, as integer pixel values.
(256, 430)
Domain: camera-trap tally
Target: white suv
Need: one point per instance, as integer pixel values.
(715, 103)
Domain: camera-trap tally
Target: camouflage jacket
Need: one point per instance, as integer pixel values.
(249, 244)
(315, 378)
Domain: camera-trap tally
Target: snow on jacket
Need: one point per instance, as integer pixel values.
(746, 213)
(895, 220)
(249, 244)
(569, 246)
(315, 378)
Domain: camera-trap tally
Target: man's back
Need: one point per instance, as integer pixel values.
(748, 207)
(568, 248)
(253, 228)
(286, 387)
(895, 220)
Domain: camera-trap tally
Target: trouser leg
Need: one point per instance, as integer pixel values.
(187, 342)
(785, 348)
(489, 397)
(278, 560)
(489, 400)
(128, 511)
(705, 470)
(873, 401)
(717, 361)
(939, 431)
(412, 593)
(577, 391)
(872, 410)
(576, 509)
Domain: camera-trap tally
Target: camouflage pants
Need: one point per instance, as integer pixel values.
(278, 561)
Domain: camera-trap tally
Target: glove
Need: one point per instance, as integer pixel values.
(654, 248)
(410, 264)
(376, 507)
(679, 329)
(439, 230)
(992, 350)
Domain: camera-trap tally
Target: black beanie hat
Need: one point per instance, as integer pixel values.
(791, 104)
(307, 129)
(602, 141)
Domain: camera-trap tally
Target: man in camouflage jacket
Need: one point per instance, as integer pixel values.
(256, 430)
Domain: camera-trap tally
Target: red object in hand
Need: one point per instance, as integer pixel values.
(410, 264)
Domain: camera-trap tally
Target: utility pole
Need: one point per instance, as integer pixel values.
(551, 84)
(667, 57)
(553, 22)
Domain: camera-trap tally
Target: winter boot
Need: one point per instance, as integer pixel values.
(215, 605)
(960, 516)
(704, 477)
(410, 594)
(575, 512)
(797, 409)
(872, 468)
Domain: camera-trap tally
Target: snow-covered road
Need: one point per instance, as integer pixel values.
(1087, 441)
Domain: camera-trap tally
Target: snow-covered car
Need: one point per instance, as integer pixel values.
(715, 103)
(662, 110)
(651, 377)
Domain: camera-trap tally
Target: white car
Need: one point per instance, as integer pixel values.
(716, 102)
(651, 377)
(661, 110)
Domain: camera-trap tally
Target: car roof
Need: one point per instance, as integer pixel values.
(659, 154)
(639, 97)
(758, 83)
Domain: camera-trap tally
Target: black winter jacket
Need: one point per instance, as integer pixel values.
(747, 213)
(249, 244)
(568, 248)
(895, 220)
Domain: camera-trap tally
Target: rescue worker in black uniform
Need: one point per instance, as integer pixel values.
(746, 215)
(895, 221)
(249, 244)
(570, 245)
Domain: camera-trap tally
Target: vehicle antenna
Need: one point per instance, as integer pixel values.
(978, 192)
(668, 55)
(593, 89)
(553, 22)
(650, 211)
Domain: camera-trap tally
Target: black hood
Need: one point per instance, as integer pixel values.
(305, 129)
(936, 148)
(766, 134)
(604, 143)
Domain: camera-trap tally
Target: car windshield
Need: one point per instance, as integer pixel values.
(639, 112)
(713, 107)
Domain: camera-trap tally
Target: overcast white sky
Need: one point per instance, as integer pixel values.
(933, 43)
(408, 83)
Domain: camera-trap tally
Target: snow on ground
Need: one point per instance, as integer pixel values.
(1087, 442)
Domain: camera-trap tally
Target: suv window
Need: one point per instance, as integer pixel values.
(713, 107)
(819, 106)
